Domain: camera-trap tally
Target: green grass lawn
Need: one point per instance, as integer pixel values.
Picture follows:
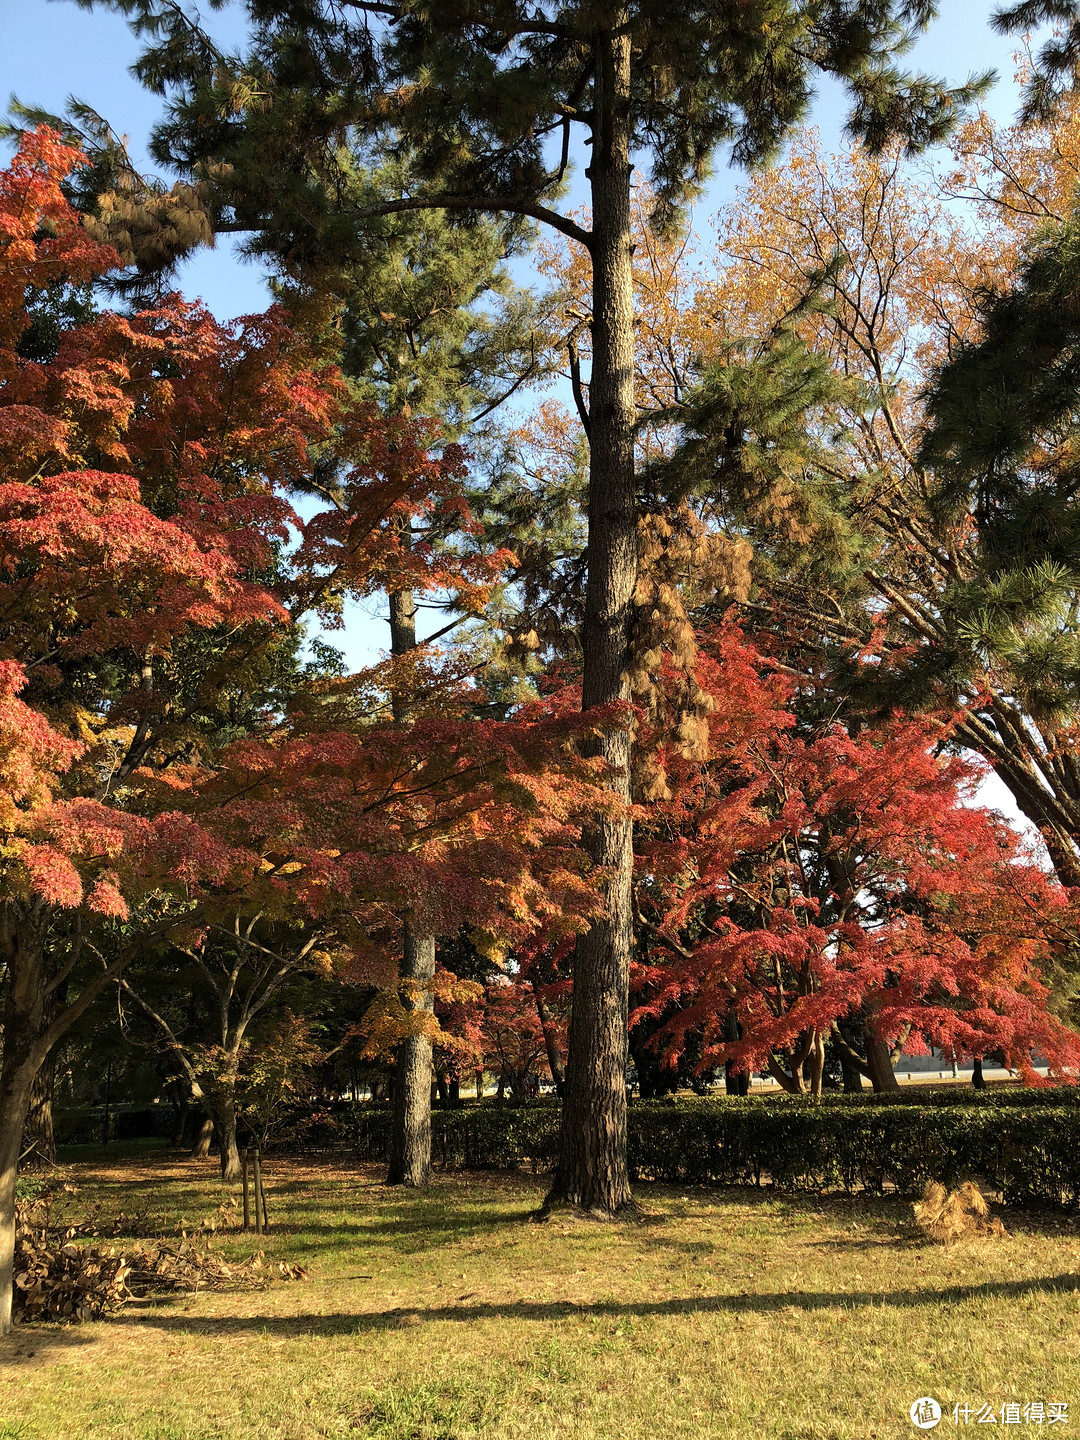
(451, 1314)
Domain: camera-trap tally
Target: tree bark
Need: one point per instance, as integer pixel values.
(592, 1170)
(39, 1136)
(180, 1103)
(410, 1131)
(14, 1105)
(551, 1042)
(225, 1126)
(879, 1065)
(24, 1009)
(852, 1075)
(736, 1082)
(201, 1148)
(978, 1080)
(815, 1064)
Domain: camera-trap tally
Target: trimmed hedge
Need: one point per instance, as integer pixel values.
(1029, 1153)
(994, 1096)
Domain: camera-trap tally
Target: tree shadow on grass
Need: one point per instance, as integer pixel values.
(787, 1301)
(30, 1345)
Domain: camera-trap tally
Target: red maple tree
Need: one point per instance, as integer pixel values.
(147, 471)
(810, 882)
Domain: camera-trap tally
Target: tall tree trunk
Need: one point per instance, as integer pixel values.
(410, 1130)
(23, 1012)
(592, 1170)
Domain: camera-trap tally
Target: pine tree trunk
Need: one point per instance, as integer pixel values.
(592, 1170)
(410, 1128)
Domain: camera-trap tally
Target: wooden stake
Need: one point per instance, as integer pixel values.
(247, 1213)
(260, 1199)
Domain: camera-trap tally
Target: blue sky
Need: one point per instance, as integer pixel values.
(50, 49)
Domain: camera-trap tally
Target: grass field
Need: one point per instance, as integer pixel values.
(452, 1315)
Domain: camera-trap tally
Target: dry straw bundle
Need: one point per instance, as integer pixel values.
(947, 1215)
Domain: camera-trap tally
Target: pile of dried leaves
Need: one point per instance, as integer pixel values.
(57, 1278)
(946, 1215)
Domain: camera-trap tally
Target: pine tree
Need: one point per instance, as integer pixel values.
(432, 326)
(483, 98)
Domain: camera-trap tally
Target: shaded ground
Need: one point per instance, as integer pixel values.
(452, 1315)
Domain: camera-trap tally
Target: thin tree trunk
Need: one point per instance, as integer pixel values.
(23, 1012)
(410, 1130)
(815, 1063)
(592, 1170)
(14, 1105)
(736, 1082)
(551, 1041)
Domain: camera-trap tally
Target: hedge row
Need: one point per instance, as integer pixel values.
(1029, 1154)
(995, 1096)
(83, 1126)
